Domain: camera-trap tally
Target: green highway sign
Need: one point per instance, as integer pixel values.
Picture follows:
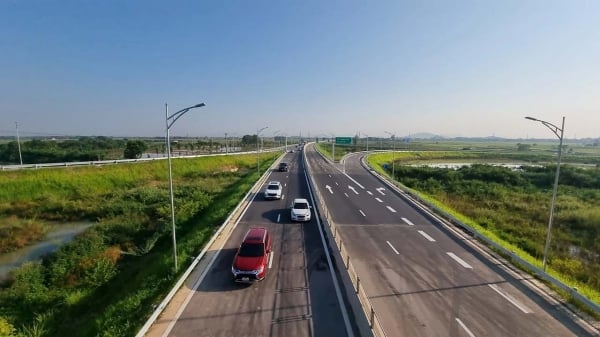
(343, 140)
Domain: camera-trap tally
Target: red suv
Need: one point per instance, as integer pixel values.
(252, 258)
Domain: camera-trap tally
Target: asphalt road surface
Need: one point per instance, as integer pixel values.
(297, 297)
(421, 278)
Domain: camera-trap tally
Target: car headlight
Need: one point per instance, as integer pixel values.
(259, 270)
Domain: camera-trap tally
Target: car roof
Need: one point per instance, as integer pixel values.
(300, 200)
(255, 235)
(274, 183)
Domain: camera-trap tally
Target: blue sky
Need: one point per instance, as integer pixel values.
(454, 68)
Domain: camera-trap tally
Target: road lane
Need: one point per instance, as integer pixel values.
(297, 297)
(444, 287)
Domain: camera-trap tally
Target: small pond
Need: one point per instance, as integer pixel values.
(60, 234)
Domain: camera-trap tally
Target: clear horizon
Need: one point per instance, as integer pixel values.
(459, 69)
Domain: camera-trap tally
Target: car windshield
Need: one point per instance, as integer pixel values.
(273, 187)
(251, 250)
(300, 205)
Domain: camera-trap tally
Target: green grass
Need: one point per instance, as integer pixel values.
(107, 281)
(514, 214)
(340, 150)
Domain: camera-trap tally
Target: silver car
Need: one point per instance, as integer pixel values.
(300, 210)
(273, 190)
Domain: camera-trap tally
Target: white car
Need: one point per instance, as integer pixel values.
(300, 210)
(273, 190)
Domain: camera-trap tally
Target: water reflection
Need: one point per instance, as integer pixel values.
(59, 235)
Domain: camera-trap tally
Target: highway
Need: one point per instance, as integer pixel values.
(424, 278)
(297, 297)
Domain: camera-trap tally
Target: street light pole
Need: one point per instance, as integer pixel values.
(393, 136)
(274, 135)
(226, 150)
(19, 143)
(284, 135)
(258, 149)
(555, 129)
(169, 121)
(333, 148)
(367, 142)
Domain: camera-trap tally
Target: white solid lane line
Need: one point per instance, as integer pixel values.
(369, 193)
(459, 260)
(426, 236)
(354, 181)
(361, 212)
(509, 298)
(394, 249)
(271, 259)
(462, 325)
(378, 199)
(278, 217)
(391, 209)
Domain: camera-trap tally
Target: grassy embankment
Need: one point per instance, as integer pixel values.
(107, 280)
(512, 207)
(505, 150)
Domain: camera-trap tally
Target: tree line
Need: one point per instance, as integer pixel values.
(40, 151)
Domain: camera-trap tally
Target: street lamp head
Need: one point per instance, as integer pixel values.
(261, 130)
(199, 105)
(531, 118)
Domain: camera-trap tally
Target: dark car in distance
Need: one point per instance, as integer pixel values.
(283, 167)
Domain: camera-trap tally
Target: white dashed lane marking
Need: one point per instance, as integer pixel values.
(509, 298)
(426, 236)
(459, 260)
(393, 248)
(462, 325)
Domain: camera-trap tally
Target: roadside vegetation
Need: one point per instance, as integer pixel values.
(42, 150)
(580, 153)
(107, 281)
(511, 206)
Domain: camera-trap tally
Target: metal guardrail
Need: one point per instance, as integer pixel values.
(514, 258)
(366, 305)
(120, 161)
(232, 218)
